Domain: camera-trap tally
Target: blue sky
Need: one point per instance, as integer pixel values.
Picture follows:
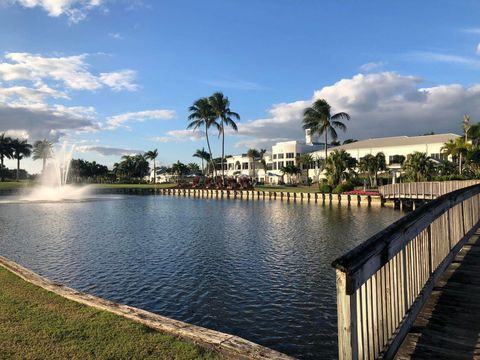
(117, 76)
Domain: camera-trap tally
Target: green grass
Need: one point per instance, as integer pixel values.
(296, 189)
(38, 324)
(7, 185)
(135, 186)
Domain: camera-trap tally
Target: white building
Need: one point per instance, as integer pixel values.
(392, 147)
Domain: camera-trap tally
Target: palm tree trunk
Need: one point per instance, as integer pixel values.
(44, 162)
(154, 172)
(326, 139)
(210, 151)
(460, 163)
(223, 152)
(18, 168)
(1, 166)
(203, 171)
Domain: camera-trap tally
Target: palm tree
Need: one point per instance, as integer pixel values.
(339, 166)
(304, 162)
(372, 164)
(152, 155)
(221, 108)
(290, 170)
(202, 115)
(21, 149)
(42, 149)
(6, 150)
(203, 155)
(253, 154)
(318, 119)
(418, 166)
(457, 149)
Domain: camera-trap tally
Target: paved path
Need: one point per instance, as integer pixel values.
(449, 325)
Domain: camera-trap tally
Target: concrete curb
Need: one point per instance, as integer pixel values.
(233, 347)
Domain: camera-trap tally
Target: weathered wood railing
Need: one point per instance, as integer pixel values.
(423, 190)
(384, 282)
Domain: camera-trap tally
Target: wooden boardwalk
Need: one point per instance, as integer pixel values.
(448, 326)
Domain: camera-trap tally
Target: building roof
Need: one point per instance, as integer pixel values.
(398, 141)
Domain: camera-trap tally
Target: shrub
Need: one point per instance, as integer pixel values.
(341, 188)
(325, 188)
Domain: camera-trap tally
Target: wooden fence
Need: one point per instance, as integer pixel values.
(423, 190)
(384, 282)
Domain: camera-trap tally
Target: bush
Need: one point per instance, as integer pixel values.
(324, 188)
(341, 188)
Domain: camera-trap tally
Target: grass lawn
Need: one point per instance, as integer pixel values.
(37, 324)
(135, 186)
(302, 188)
(7, 185)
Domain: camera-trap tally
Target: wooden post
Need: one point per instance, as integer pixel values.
(347, 320)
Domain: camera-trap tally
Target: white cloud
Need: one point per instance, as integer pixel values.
(40, 121)
(381, 104)
(120, 80)
(472, 30)
(234, 84)
(22, 95)
(107, 150)
(427, 56)
(69, 71)
(179, 136)
(371, 66)
(75, 10)
(116, 36)
(478, 49)
(159, 114)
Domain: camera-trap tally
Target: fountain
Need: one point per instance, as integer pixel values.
(53, 181)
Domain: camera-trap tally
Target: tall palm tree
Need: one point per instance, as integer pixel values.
(457, 149)
(202, 115)
(21, 149)
(204, 156)
(221, 108)
(318, 119)
(42, 149)
(372, 164)
(340, 166)
(253, 154)
(305, 161)
(152, 155)
(6, 150)
(418, 166)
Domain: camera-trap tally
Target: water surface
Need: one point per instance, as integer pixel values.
(259, 270)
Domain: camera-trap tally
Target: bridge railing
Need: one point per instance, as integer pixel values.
(423, 190)
(383, 283)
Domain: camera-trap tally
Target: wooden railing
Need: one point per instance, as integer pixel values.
(384, 282)
(423, 190)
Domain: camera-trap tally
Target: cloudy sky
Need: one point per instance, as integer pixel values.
(116, 77)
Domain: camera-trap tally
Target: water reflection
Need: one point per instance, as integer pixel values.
(260, 270)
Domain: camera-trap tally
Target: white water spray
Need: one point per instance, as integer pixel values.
(53, 181)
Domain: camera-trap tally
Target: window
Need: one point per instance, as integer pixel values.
(269, 166)
(280, 165)
(290, 155)
(280, 156)
(245, 166)
(274, 156)
(436, 156)
(290, 163)
(298, 154)
(230, 166)
(274, 166)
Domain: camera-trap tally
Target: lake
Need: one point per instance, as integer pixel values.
(257, 269)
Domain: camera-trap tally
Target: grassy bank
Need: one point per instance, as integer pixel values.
(37, 324)
(296, 189)
(8, 185)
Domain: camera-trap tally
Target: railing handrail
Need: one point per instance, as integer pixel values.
(383, 283)
(431, 188)
(384, 245)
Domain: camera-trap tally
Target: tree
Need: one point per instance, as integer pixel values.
(21, 149)
(204, 156)
(339, 166)
(221, 108)
(474, 134)
(42, 149)
(6, 150)
(152, 155)
(305, 161)
(253, 154)
(371, 165)
(290, 170)
(179, 169)
(193, 168)
(202, 115)
(318, 119)
(418, 167)
(457, 149)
